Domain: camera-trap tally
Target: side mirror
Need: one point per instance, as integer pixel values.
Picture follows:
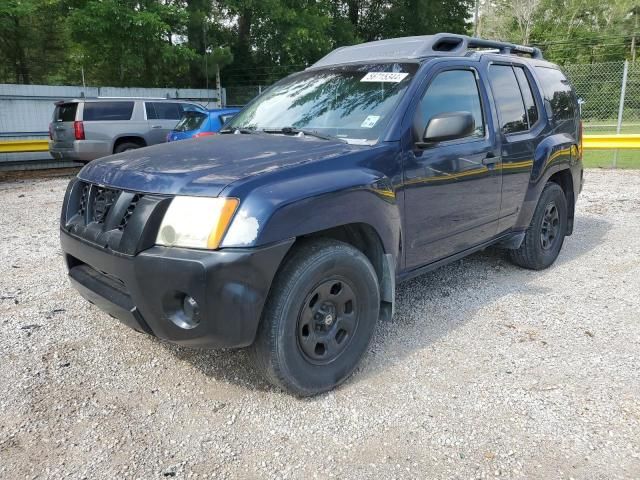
(448, 126)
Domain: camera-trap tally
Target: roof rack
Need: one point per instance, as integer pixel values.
(441, 44)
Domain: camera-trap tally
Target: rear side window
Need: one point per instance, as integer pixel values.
(65, 112)
(506, 92)
(104, 111)
(163, 110)
(527, 96)
(191, 121)
(225, 118)
(558, 93)
(452, 91)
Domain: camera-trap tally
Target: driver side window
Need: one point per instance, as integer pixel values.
(451, 91)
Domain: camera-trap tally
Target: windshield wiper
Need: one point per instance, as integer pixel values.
(297, 131)
(244, 130)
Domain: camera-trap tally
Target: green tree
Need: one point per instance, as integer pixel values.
(33, 41)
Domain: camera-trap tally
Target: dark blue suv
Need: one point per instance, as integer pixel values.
(289, 231)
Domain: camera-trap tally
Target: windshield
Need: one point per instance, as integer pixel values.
(352, 102)
(190, 121)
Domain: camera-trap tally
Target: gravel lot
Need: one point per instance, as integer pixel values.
(486, 371)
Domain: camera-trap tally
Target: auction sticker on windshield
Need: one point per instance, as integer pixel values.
(384, 77)
(370, 121)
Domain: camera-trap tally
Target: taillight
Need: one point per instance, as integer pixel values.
(78, 130)
(203, 134)
(51, 131)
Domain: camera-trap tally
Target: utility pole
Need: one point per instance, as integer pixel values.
(633, 38)
(218, 86)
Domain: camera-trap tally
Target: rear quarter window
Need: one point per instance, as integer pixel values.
(105, 111)
(163, 111)
(559, 96)
(65, 112)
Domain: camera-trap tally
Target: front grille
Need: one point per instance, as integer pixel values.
(101, 216)
(94, 204)
(84, 199)
(103, 200)
(130, 209)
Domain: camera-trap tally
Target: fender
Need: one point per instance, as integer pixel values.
(553, 154)
(296, 202)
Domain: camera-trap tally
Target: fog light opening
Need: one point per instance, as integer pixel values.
(183, 310)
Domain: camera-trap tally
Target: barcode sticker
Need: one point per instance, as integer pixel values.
(384, 77)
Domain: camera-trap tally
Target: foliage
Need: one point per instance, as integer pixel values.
(569, 31)
(181, 43)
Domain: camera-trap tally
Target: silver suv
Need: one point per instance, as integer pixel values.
(85, 129)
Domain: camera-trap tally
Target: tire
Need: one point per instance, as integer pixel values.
(124, 146)
(545, 235)
(308, 342)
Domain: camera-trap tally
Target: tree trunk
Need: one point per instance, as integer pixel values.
(354, 12)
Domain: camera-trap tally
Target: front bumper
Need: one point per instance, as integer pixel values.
(145, 291)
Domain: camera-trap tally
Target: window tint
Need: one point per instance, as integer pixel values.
(527, 96)
(107, 111)
(452, 91)
(65, 112)
(163, 111)
(558, 92)
(506, 93)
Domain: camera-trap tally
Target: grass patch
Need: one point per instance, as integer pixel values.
(604, 159)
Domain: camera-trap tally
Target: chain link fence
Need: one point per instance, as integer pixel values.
(610, 97)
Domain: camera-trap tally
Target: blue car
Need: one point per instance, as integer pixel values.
(201, 123)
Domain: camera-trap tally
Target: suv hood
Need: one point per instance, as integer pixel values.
(205, 166)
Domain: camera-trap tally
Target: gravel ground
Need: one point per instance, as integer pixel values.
(486, 371)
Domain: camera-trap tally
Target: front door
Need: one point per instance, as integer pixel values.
(452, 188)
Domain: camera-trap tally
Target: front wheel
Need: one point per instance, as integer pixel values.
(319, 318)
(545, 235)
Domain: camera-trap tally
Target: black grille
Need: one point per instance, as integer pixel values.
(111, 218)
(93, 204)
(129, 211)
(103, 200)
(84, 199)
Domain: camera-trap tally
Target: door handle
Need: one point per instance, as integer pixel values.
(491, 159)
(156, 126)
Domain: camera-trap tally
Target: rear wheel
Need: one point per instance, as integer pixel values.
(319, 318)
(124, 146)
(545, 235)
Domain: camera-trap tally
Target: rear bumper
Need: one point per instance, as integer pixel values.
(82, 150)
(146, 291)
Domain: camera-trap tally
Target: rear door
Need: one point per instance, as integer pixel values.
(520, 129)
(162, 118)
(62, 130)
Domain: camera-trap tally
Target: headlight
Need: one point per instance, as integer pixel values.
(196, 222)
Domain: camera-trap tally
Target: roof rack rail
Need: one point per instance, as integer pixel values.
(441, 44)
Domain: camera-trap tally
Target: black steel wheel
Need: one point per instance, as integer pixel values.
(319, 317)
(545, 236)
(327, 321)
(550, 228)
